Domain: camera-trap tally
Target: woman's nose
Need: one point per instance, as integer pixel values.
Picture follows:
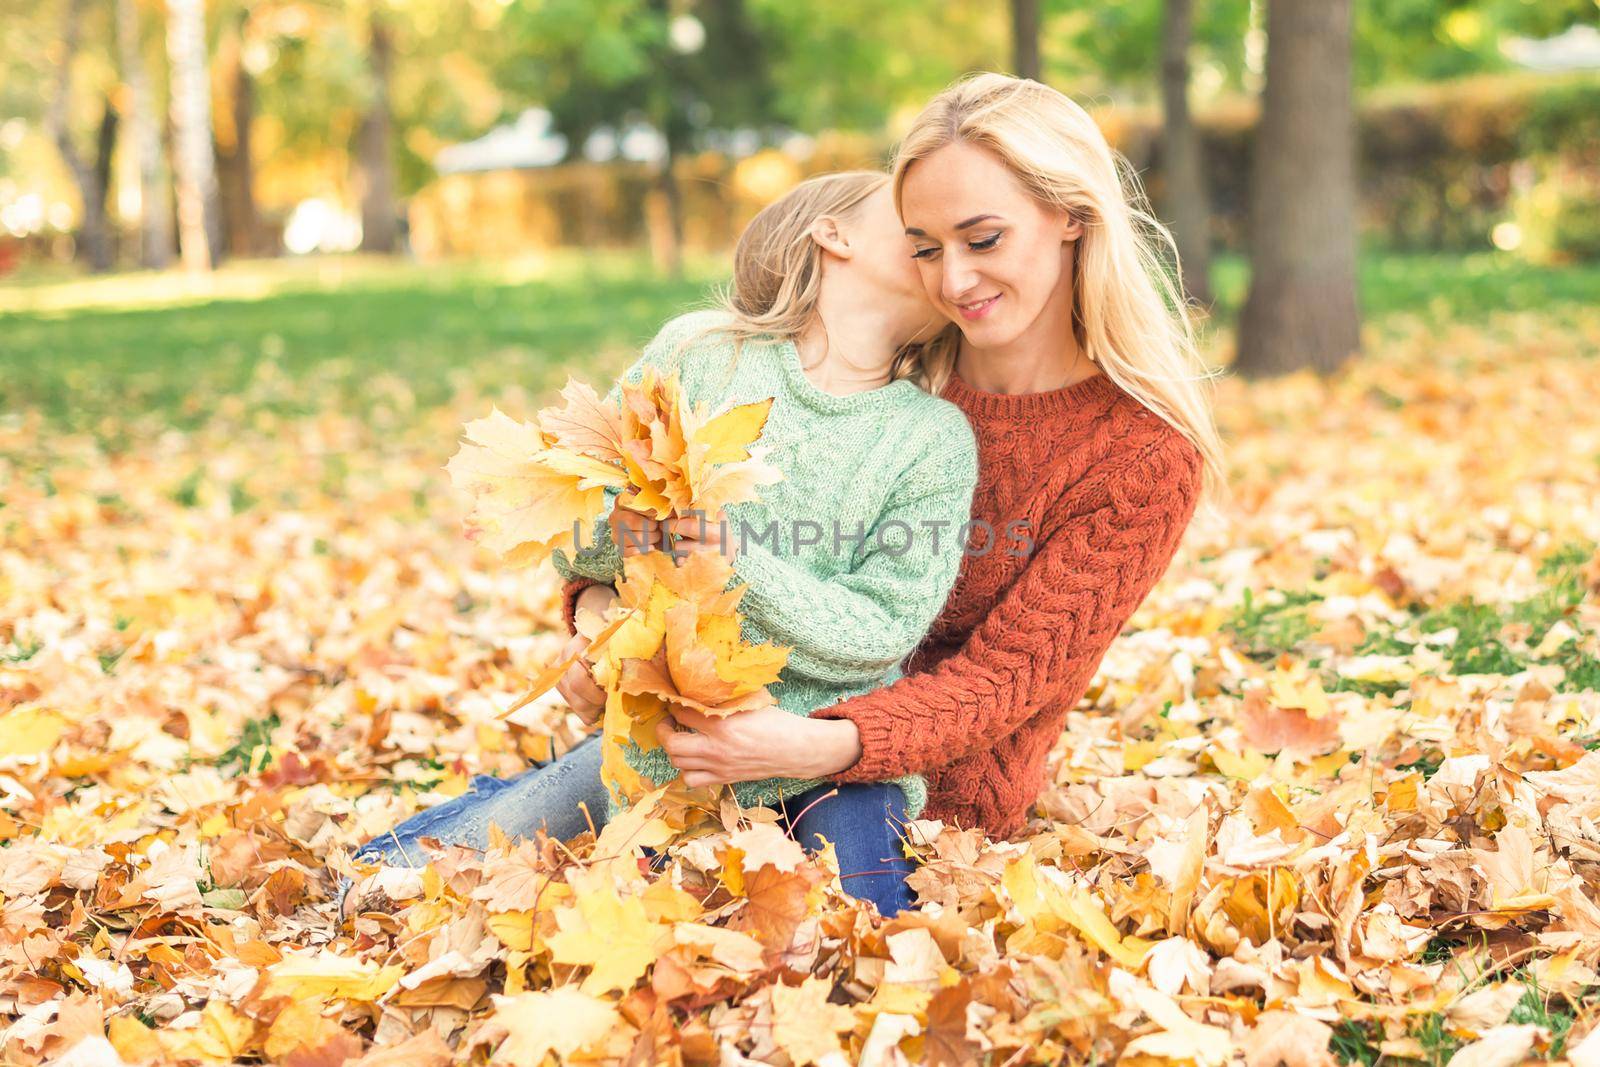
(958, 278)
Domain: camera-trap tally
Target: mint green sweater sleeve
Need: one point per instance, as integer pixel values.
(854, 625)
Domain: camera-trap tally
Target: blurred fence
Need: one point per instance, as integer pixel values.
(506, 212)
(1441, 166)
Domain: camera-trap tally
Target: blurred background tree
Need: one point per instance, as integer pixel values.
(476, 126)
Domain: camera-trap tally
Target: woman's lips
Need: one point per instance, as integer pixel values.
(973, 312)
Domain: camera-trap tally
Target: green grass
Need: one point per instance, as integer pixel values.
(1277, 622)
(1356, 1042)
(103, 353)
(131, 350)
(1442, 288)
(257, 733)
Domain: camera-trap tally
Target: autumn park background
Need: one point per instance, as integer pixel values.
(1332, 799)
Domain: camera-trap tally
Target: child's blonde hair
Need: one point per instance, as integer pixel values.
(777, 273)
(1128, 313)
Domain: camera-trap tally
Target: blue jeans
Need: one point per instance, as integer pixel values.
(546, 795)
(860, 821)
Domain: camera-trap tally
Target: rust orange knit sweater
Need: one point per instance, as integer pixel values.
(1105, 489)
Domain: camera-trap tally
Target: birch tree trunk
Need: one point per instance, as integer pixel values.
(144, 135)
(191, 121)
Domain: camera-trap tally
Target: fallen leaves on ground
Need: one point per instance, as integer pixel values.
(1333, 795)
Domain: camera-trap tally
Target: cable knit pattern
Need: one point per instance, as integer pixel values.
(1106, 489)
(853, 610)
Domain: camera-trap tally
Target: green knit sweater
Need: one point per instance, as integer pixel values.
(894, 464)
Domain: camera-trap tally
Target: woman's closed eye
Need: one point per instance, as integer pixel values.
(980, 244)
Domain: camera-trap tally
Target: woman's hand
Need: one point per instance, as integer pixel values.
(768, 743)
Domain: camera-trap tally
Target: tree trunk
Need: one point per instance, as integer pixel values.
(191, 122)
(1302, 309)
(94, 239)
(1025, 38)
(235, 162)
(375, 152)
(664, 219)
(105, 145)
(1187, 205)
(155, 212)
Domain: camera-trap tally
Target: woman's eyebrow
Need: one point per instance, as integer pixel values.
(973, 221)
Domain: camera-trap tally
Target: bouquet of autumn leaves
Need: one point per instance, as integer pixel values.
(673, 638)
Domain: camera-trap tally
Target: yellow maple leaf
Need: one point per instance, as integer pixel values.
(324, 974)
(528, 498)
(1044, 897)
(28, 731)
(301, 1025)
(1299, 689)
(222, 1034)
(562, 1020)
(805, 1025)
(680, 459)
(1180, 1037)
(611, 935)
(584, 423)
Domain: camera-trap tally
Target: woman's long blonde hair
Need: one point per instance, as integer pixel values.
(777, 271)
(1128, 313)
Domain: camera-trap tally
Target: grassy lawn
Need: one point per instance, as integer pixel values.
(169, 347)
(1442, 288)
(149, 344)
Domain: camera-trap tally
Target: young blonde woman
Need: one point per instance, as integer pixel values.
(826, 315)
(1076, 368)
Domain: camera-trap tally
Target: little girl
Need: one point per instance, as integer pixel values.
(859, 543)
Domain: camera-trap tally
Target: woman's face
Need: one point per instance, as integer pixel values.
(991, 258)
(881, 258)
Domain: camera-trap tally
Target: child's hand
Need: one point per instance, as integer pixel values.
(633, 532)
(577, 686)
(695, 533)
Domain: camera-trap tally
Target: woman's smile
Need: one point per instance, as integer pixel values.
(977, 309)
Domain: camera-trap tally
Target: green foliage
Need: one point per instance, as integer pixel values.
(1438, 1043)
(1357, 1042)
(1280, 620)
(1426, 40)
(256, 734)
(1538, 1008)
(19, 653)
(1557, 216)
(1277, 623)
(596, 63)
(841, 64)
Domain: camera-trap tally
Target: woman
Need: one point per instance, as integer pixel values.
(827, 318)
(1077, 370)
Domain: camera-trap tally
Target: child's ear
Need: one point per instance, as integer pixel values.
(1072, 229)
(827, 233)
